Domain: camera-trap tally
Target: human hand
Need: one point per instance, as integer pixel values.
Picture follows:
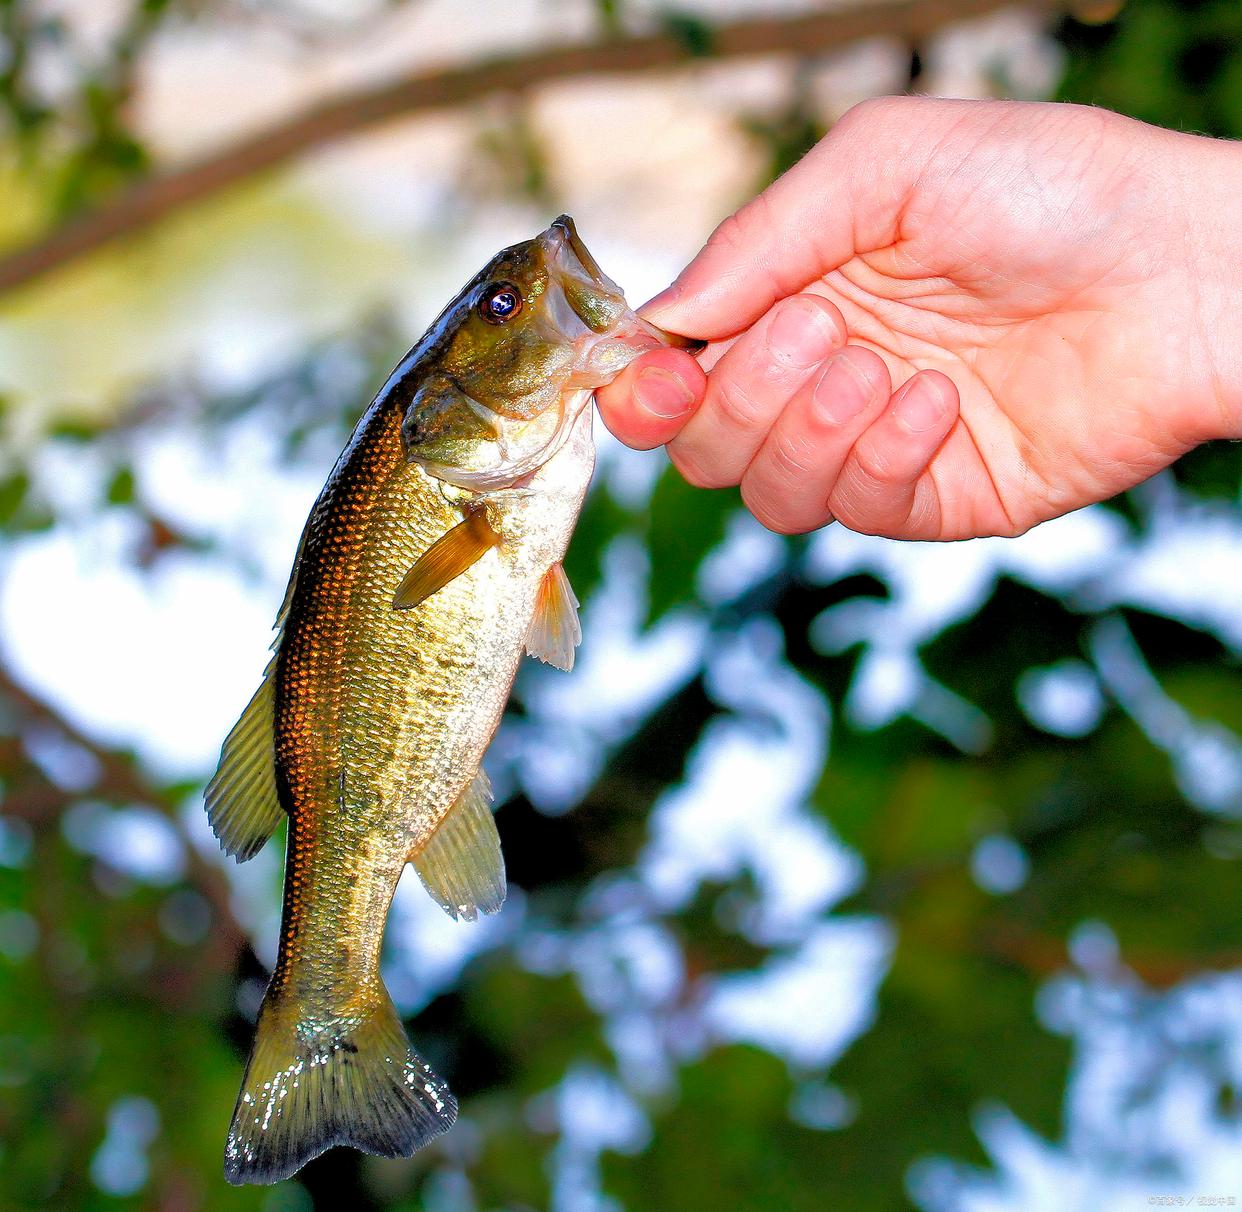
(1050, 283)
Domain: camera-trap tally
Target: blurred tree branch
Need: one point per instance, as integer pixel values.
(152, 199)
(118, 780)
(1044, 956)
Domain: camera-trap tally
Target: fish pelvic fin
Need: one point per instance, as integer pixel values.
(447, 558)
(462, 866)
(243, 807)
(554, 628)
(352, 1081)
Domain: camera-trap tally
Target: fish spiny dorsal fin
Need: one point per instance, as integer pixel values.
(446, 559)
(329, 1081)
(461, 866)
(242, 805)
(554, 630)
(287, 601)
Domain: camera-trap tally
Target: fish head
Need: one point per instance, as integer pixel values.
(506, 370)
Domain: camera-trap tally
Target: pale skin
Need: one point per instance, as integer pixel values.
(1051, 289)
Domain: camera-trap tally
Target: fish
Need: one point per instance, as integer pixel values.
(430, 562)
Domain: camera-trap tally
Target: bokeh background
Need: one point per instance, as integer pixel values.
(844, 873)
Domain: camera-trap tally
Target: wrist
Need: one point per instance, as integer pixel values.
(1212, 213)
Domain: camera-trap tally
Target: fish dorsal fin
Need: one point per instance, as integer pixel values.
(242, 804)
(461, 866)
(446, 559)
(286, 603)
(554, 630)
(243, 807)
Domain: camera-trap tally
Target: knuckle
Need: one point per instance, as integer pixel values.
(758, 501)
(776, 489)
(730, 235)
(770, 515)
(876, 465)
(892, 125)
(877, 111)
(737, 234)
(922, 520)
(693, 472)
(871, 505)
(735, 407)
(735, 239)
(856, 514)
(863, 112)
(792, 458)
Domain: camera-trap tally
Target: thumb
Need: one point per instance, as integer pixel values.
(843, 197)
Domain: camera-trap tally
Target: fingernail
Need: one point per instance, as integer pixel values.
(918, 410)
(662, 393)
(801, 334)
(843, 390)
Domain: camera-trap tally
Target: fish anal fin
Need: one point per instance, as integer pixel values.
(242, 803)
(446, 559)
(461, 866)
(554, 629)
(314, 1084)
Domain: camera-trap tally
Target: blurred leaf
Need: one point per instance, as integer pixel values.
(684, 524)
(13, 490)
(710, 926)
(693, 32)
(121, 487)
(1174, 63)
(541, 1025)
(601, 521)
(610, 15)
(1215, 468)
(787, 137)
(728, 1130)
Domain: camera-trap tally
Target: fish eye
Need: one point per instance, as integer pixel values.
(500, 302)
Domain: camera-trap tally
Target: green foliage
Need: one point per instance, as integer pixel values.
(1175, 63)
(790, 134)
(736, 1101)
(695, 33)
(121, 487)
(684, 524)
(610, 14)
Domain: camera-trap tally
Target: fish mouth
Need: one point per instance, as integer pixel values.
(593, 295)
(564, 236)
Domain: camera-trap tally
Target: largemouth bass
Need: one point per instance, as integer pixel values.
(429, 563)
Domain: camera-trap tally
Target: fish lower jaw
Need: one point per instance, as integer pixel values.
(603, 356)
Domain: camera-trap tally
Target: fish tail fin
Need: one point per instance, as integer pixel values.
(355, 1082)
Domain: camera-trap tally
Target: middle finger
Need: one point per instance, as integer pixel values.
(750, 385)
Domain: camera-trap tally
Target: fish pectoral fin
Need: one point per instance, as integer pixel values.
(242, 805)
(314, 1081)
(554, 630)
(461, 865)
(446, 559)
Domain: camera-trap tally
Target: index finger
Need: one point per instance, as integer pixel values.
(830, 205)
